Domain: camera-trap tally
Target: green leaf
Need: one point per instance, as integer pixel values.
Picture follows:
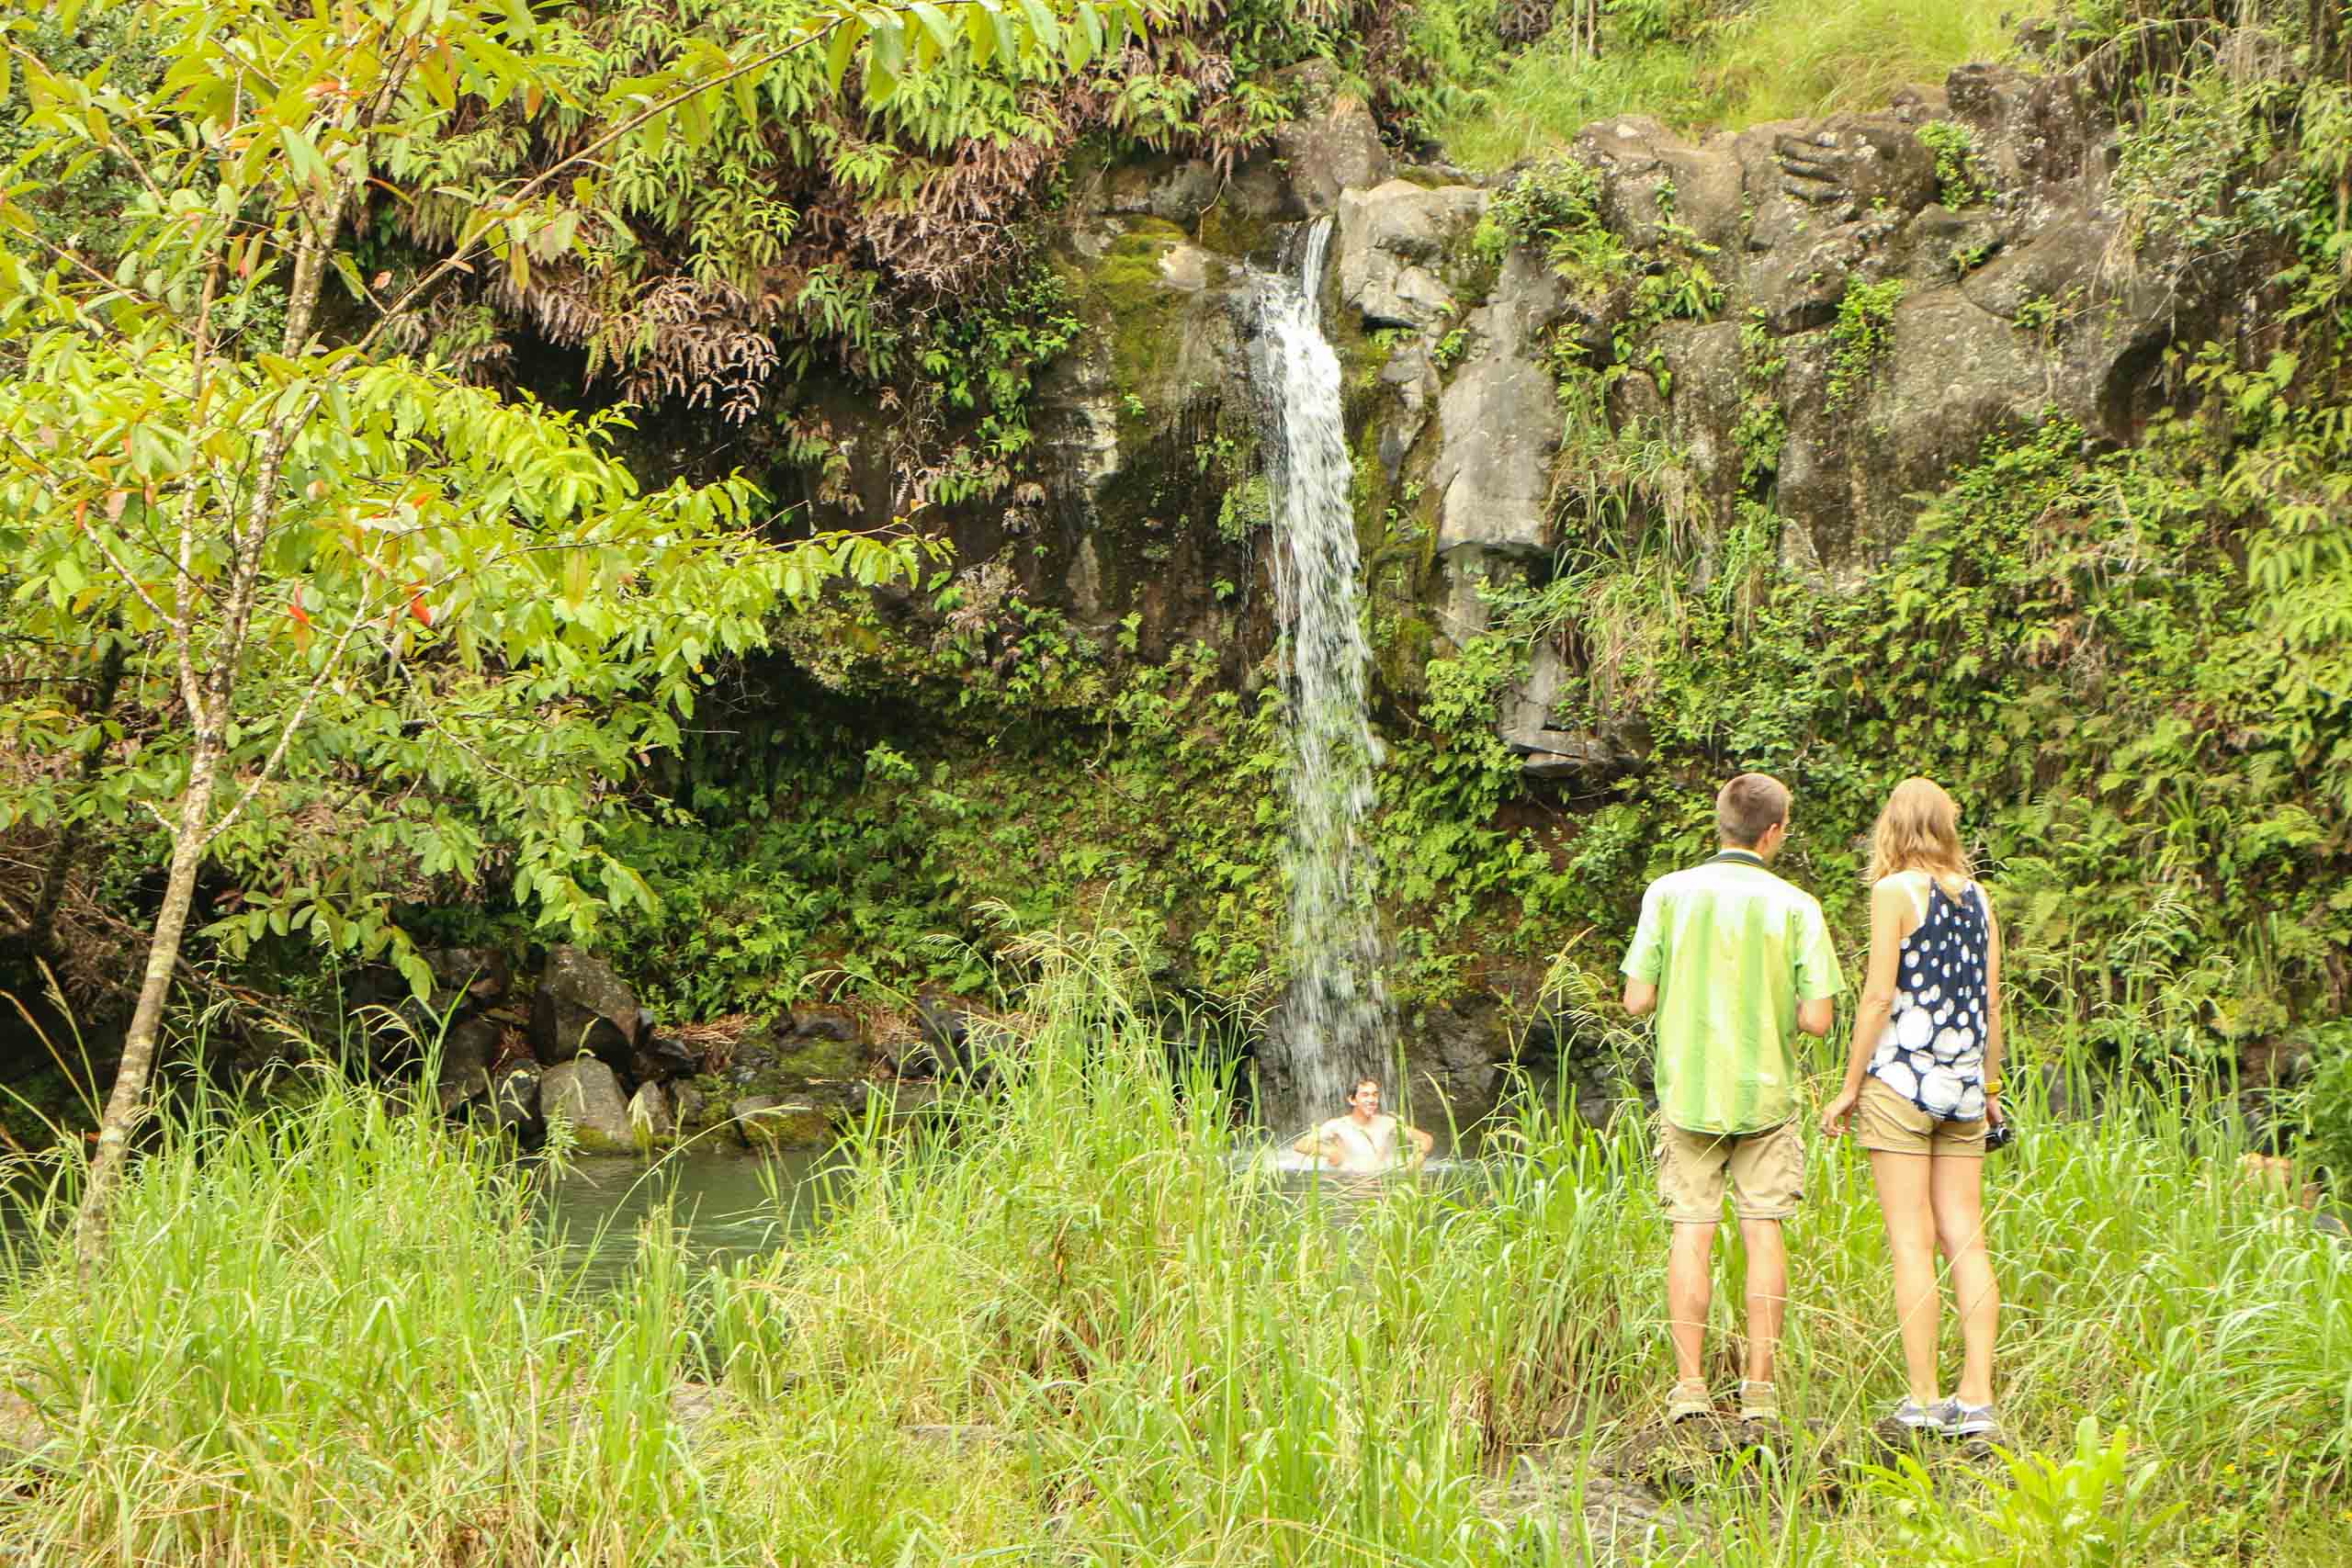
(935, 23)
(349, 270)
(1047, 32)
(847, 34)
(415, 971)
(303, 154)
(1085, 40)
(979, 32)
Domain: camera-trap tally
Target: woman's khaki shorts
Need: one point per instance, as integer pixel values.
(1767, 1172)
(1884, 1120)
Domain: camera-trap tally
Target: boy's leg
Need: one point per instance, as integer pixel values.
(1691, 1172)
(1767, 1187)
(1956, 1189)
(1911, 1241)
(1687, 1293)
(1768, 1294)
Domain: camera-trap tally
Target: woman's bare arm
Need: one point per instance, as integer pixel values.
(1996, 1039)
(1890, 915)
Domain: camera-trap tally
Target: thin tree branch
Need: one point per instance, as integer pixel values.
(294, 720)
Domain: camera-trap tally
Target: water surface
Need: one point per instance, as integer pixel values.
(730, 1205)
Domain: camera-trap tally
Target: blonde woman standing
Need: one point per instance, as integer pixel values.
(1922, 1085)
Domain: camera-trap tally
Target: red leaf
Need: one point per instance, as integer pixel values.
(418, 607)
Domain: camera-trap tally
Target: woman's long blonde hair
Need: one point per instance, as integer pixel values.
(1918, 829)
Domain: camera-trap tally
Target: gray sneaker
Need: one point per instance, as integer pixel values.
(1918, 1418)
(1954, 1419)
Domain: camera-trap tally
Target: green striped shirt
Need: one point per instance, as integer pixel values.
(1732, 950)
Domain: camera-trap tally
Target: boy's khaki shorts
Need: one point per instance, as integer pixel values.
(1884, 1121)
(1767, 1171)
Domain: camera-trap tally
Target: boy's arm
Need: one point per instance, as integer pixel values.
(1818, 980)
(1645, 957)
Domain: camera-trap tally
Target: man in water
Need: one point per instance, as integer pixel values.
(1363, 1140)
(1733, 961)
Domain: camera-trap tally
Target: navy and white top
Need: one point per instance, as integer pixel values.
(1933, 1051)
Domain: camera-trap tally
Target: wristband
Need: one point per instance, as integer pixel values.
(1993, 1085)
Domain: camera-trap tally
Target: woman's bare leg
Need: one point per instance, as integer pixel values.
(1956, 1189)
(1911, 1239)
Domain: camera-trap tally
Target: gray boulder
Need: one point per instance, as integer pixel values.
(1498, 421)
(659, 1056)
(466, 974)
(584, 1092)
(819, 1022)
(1393, 245)
(1330, 147)
(582, 1006)
(466, 1052)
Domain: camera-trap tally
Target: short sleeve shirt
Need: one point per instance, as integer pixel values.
(1732, 949)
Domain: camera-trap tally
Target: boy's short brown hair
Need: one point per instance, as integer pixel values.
(1751, 807)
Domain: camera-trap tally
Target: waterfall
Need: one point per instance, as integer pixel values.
(1336, 1025)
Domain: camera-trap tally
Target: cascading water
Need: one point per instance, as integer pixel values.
(1336, 1025)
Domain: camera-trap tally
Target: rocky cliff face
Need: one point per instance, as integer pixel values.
(1890, 290)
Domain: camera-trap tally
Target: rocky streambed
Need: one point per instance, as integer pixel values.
(580, 1049)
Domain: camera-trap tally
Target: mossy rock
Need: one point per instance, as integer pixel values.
(1126, 293)
(1226, 230)
(818, 1059)
(766, 1122)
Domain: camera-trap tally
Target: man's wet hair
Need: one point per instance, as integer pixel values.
(1360, 1082)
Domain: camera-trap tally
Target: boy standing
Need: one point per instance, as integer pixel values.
(1733, 961)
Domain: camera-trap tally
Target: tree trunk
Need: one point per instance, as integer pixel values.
(127, 1103)
(209, 708)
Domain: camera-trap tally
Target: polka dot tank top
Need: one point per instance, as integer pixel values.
(1933, 1051)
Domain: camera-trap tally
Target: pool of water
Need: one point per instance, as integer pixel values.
(730, 1205)
(733, 1206)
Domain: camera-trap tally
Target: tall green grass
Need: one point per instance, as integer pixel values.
(1074, 1329)
(1777, 59)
